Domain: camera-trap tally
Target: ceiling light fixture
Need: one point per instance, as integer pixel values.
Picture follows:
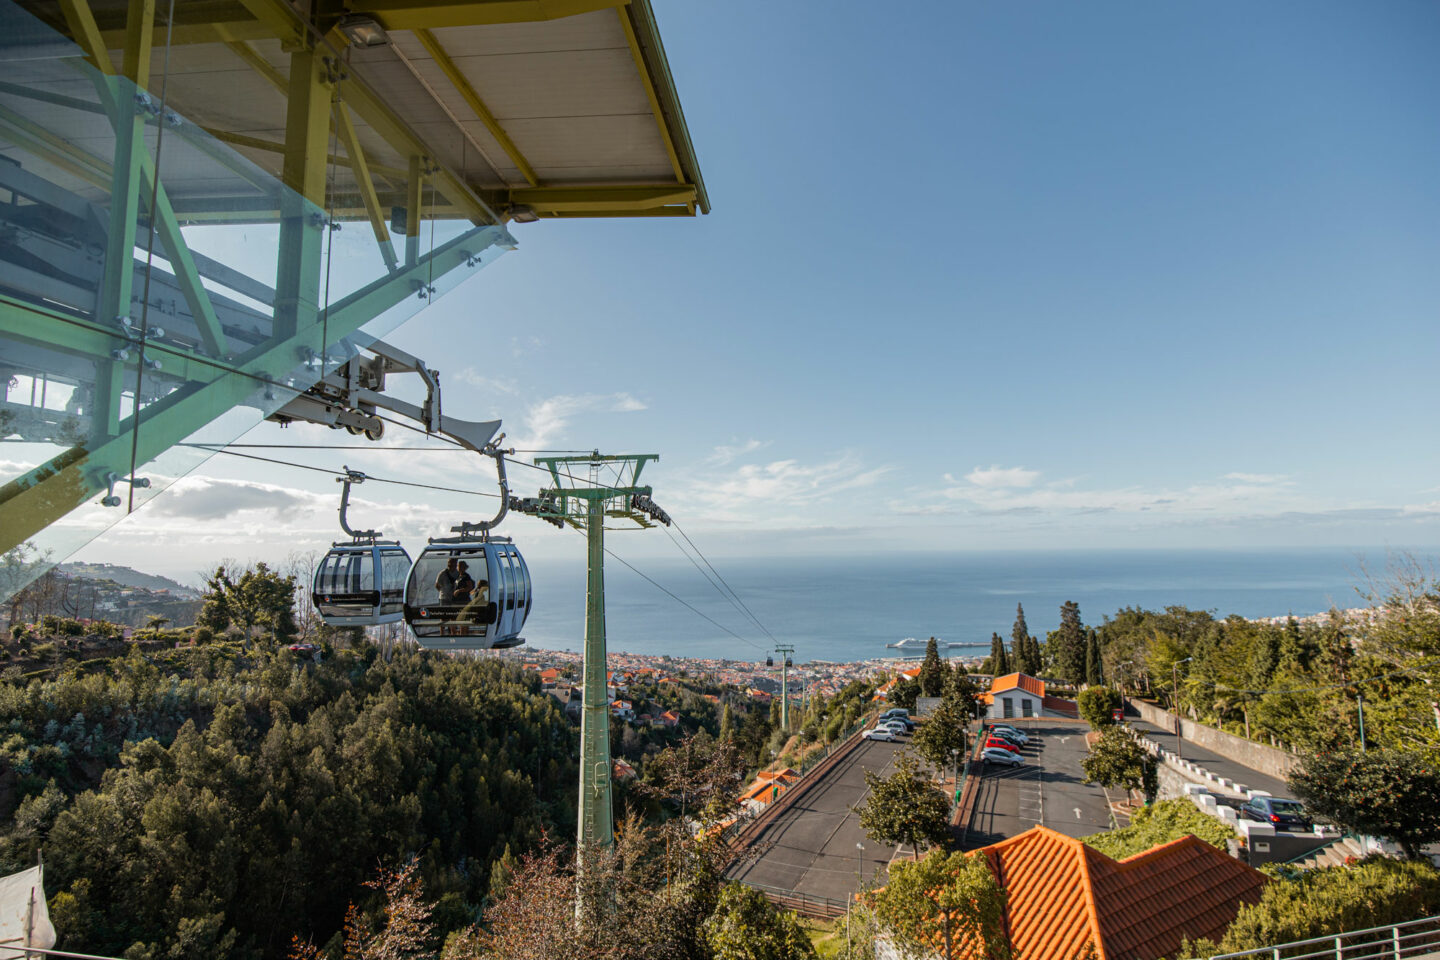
(363, 31)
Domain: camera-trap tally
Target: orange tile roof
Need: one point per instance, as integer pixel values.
(1065, 896)
(1022, 680)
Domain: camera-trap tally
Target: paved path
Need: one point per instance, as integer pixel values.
(1214, 762)
(1048, 789)
(810, 848)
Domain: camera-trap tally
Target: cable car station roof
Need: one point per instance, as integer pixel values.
(523, 108)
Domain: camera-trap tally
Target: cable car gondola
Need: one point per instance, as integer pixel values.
(468, 594)
(472, 591)
(360, 583)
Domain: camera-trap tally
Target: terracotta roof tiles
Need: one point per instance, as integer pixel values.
(1065, 896)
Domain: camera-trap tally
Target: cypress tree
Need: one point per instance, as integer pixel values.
(1093, 673)
(1020, 643)
(932, 671)
(1069, 641)
(999, 656)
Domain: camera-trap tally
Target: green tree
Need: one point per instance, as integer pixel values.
(1118, 760)
(941, 732)
(904, 692)
(1067, 644)
(745, 926)
(1094, 672)
(903, 808)
(1389, 793)
(258, 598)
(963, 691)
(999, 659)
(1096, 704)
(932, 671)
(1023, 646)
(945, 904)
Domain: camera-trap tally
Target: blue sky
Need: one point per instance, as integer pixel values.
(981, 276)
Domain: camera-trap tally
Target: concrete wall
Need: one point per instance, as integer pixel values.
(1256, 756)
(1017, 697)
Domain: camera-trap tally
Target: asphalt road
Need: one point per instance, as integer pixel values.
(1049, 789)
(1214, 762)
(810, 848)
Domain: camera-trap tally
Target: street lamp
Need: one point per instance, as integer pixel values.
(1121, 667)
(1175, 697)
(955, 776)
(859, 849)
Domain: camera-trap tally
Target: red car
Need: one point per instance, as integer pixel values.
(995, 743)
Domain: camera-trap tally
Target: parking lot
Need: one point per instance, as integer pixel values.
(1048, 789)
(810, 848)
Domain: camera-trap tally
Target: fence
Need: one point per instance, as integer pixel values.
(823, 908)
(1398, 941)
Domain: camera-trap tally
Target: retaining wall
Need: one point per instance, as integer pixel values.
(1256, 756)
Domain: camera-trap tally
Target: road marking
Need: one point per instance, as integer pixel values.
(1077, 813)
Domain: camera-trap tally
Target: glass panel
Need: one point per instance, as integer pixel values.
(161, 291)
(395, 567)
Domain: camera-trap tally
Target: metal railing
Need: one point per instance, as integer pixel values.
(1415, 938)
(802, 903)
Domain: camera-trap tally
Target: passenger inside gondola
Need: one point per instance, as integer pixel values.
(446, 581)
(480, 599)
(465, 585)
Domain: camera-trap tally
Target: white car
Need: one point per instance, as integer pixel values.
(896, 727)
(996, 755)
(879, 733)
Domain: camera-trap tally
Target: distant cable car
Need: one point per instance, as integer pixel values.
(360, 583)
(789, 662)
(465, 593)
(769, 661)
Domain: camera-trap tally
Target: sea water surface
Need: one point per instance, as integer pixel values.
(844, 608)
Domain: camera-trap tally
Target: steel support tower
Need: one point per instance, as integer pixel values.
(581, 498)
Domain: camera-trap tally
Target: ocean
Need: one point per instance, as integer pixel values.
(845, 608)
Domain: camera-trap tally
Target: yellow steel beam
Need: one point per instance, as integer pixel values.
(367, 186)
(414, 197)
(451, 71)
(639, 58)
(259, 64)
(279, 18)
(434, 14)
(275, 146)
(87, 33)
(575, 200)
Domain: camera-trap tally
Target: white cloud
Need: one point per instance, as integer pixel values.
(755, 491)
(1013, 490)
(546, 421)
(725, 454)
(996, 476)
(1260, 478)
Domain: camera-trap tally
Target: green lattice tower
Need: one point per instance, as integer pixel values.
(587, 493)
(784, 649)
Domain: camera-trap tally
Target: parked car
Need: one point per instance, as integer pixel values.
(896, 727)
(906, 722)
(895, 712)
(1014, 733)
(992, 755)
(1284, 814)
(879, 733)
(1009, 737)
(995, 743)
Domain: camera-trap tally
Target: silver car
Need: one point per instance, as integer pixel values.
(1005, 757)
(879, 733)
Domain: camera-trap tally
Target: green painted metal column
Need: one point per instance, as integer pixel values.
(595, 831)
(129, 124)
(302, 225)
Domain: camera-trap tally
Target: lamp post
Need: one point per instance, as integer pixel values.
(1175, 695)
(859, 849)
(955, 775)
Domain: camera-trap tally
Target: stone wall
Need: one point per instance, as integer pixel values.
(1256, 756)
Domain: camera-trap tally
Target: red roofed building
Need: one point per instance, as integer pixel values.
(1021, 695)
(1065, 897)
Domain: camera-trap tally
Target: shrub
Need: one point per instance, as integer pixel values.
(1373, 893)
(1165, 821)
(1096, 704)
(203, 635)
